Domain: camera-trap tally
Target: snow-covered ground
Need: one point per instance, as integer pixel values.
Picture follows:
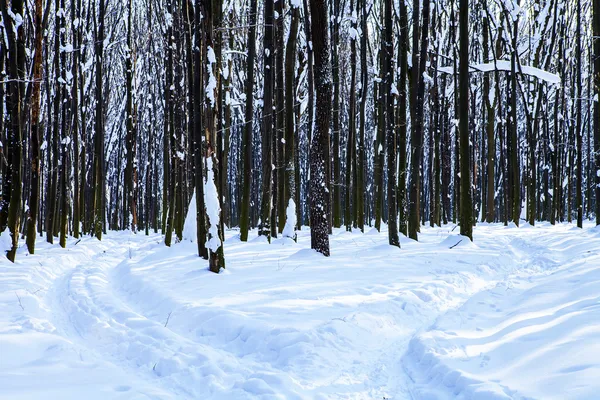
(516, 314)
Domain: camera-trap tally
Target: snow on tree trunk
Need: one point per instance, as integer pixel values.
(290, 222)
(213, 209)
(190, 225)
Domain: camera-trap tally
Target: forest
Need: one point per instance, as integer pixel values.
(276, 115)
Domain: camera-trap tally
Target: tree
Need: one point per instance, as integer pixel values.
(390, 127)
(199, 131)
(131, 140)
(267, 137)
(489, 126)
(319, 197)
(596, 47)
(360, 158)
(99, 126)
(216, 256)
(401, 109)
(11, 202)
(466, 212)
(336, 199)
(35, 130)
(247, 140)
(279, 145)
(290, 132)
(578, 133)
(417, 110)
(351, 167)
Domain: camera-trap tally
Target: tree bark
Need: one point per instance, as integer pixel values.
(247, 138)
(319, 198)
(466, 212)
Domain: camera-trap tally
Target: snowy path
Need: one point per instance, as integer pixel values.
(128, 318)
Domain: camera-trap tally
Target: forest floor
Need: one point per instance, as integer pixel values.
(516, 314)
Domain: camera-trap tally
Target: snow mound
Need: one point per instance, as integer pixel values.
(5, 241)
(453, 241)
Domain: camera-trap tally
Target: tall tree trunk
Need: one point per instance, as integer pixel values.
(216, 256)
(279, 148)
(290, 142)
(16, 72)
(578, 132)
(170, 160)
(489, 127)
(360, 158)
(319, 197)
(199, 129)
(99, 212)
(64, 145)
(351, 143)
(336, 203)
(401, 109)
(466, 212)
(596, 48)
(35, 130)
(267, 137)
(516, 171)
(131, 141)
(247, 138)
(390, 126)
(418, 110)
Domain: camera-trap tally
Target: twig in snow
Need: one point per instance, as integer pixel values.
(457, 243)
(77, 242)
(339, 319)
(168, 316)
(454, 228)
(21, 305)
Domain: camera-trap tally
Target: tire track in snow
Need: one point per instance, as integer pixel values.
(87, 313)
(533, 255)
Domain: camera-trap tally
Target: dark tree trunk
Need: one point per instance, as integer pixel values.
(390, 126)
(290, 143)
(247, 138)
(267, 137)
(418, 109)
(466, 212)
(360, 158)
(35, 131)
(319, 197)
(351, 143)
(199, 131)
(596, 48)
(11, 201)
(99, 129)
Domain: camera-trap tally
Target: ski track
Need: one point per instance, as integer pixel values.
(188, 349)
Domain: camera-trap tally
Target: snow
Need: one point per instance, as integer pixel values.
(505, 65)
(289, 230)
(68, 48)
(5, 241)
(190, 225)
(535, 335)
(213, 208)
(512, 315)
(212, 81)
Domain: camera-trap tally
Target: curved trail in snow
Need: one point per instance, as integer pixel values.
(282, 322)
